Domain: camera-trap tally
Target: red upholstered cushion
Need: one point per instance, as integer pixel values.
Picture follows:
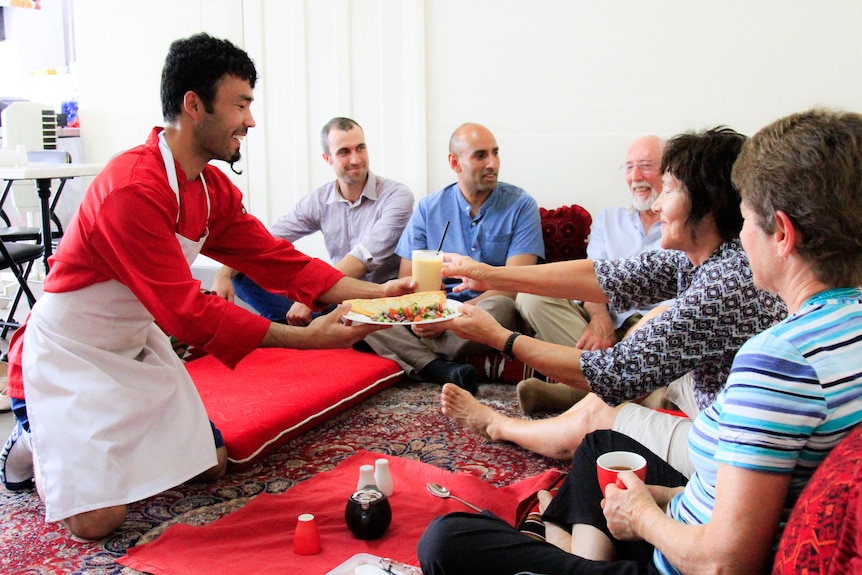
(276, 394)
(823, 533)
(565, 231)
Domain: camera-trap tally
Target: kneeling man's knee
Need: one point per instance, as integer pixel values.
(96, 524)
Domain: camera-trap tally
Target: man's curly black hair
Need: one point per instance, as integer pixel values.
(196, 64)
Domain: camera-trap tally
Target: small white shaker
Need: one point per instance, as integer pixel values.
(383, 477)
(366, 476)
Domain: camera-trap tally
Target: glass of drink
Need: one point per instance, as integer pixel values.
(427, 266)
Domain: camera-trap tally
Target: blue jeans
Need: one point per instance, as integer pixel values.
(272, 306)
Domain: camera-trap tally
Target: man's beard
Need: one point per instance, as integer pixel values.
(236, 157)
(644, 204)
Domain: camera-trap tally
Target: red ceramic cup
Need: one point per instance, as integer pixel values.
(609, 465)
(306, 538)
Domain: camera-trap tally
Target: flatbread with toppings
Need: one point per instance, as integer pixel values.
(408, 308)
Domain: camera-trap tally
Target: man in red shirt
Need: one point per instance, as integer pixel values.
(111, 415)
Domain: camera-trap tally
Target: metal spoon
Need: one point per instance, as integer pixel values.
(440, 491)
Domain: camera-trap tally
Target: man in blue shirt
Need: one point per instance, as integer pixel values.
(361, 216)
(490, 221)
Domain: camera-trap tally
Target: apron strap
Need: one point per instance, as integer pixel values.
(171, 171)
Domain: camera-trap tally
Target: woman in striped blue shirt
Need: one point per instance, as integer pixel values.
(793, 393)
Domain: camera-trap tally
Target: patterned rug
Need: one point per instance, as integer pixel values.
(402, 421)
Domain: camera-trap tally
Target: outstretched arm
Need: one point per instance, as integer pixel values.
(574, 279)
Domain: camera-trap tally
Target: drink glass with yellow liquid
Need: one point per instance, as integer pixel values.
(427, 269)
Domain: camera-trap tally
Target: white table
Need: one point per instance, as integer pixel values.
(43, 175)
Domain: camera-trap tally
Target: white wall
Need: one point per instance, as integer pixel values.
(564, 84)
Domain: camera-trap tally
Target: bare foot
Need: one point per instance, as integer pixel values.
(460, 406)
(554, 534)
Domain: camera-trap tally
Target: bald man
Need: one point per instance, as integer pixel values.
(488, 220)
(617, 232)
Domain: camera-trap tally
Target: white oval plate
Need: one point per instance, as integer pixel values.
(451, 304)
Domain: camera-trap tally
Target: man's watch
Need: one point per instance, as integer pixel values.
(507, 349)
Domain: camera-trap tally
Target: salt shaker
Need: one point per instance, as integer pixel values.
(366, 477)
(383, 477)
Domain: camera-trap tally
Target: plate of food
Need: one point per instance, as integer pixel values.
(408, 309)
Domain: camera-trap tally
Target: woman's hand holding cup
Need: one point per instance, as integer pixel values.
(609, 465)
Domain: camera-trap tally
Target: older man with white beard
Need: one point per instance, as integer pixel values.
(617, 232)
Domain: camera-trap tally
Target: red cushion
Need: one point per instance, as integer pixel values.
(822, 534)
(565, 231)
(276, 394)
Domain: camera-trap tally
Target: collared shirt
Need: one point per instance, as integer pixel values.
(508, 224)
(367, 229)
(619, 233)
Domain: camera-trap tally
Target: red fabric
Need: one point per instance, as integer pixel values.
(565, 231)
(823, 534)
(259, 537)
(275, 394)
(675, 412)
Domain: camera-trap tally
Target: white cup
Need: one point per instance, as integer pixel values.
(427, 270)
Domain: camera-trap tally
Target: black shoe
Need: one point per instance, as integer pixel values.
(441, 371)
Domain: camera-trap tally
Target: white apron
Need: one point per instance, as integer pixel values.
(114, 415)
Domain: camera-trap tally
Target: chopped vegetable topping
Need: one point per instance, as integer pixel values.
(413, 313)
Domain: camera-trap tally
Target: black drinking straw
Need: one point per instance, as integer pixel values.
(443, 237)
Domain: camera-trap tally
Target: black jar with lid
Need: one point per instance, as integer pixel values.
(368, 513)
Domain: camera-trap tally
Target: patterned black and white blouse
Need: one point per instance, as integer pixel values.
(716, 309)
